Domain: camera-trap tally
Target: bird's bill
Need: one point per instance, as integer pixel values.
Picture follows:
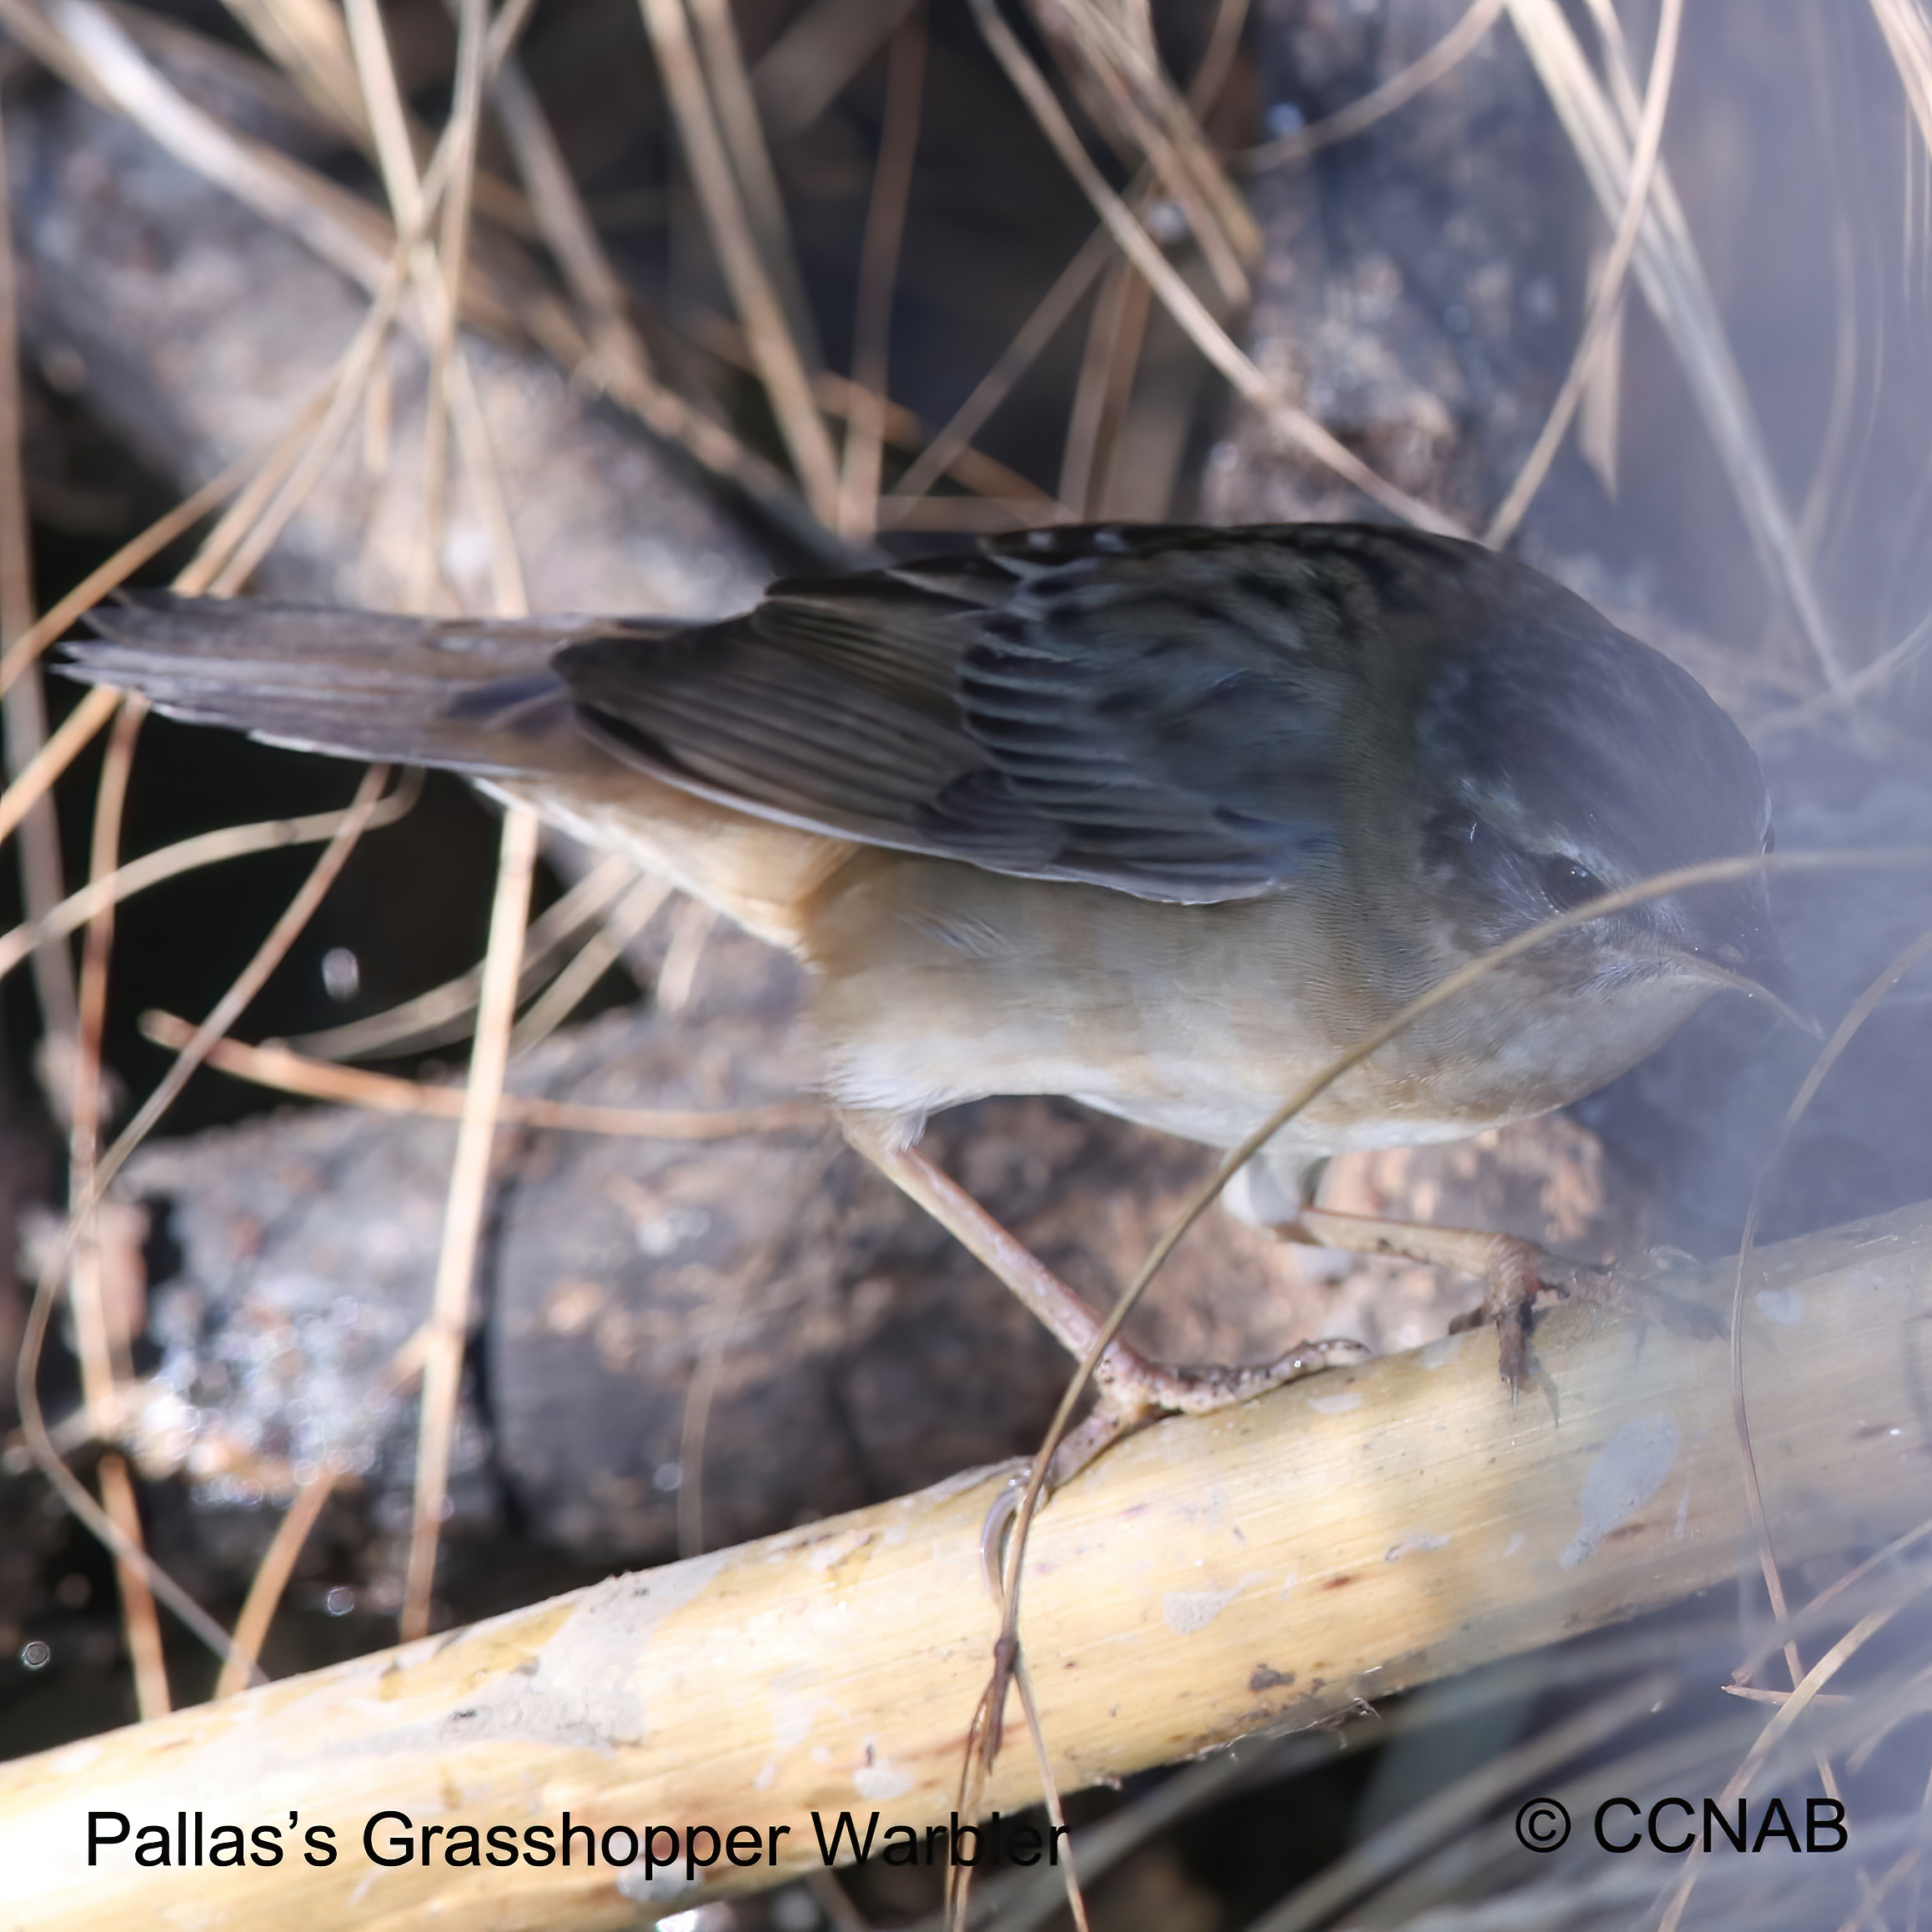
(1777, 996)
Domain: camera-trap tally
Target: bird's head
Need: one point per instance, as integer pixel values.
(1560, 759)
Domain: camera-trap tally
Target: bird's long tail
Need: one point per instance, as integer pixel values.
(471, 696)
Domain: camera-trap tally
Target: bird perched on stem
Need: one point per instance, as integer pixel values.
(1163, 819)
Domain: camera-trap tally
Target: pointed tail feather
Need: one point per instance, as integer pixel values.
(471, 694)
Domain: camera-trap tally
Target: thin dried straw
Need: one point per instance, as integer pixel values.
(1828, 1057)
(102, 1346)
(119, 567)
(741, 126)
(953, 441)
(187, 855)
(1181, 301)
(329, 221)
(452, 387)
(305, 39)
(859, 477)
(463, 1217)
(566, 224)
(271, 1580)
(452, 253)
(780, 363)
(352, 236)
(277, 1066)
(350, 376)
(599, 954)
(1787, 1715)
(1397, 91)
(1908, 40)
(897, 512)
(32, 783)
(40, 1310)
(611, 354)
(1607, 304)
(692, 925)
(1049, 315)
(1861, 684)
(1453, 1811)
(798, 77)
(25, 706)
(1105, 387)
(1672, 278)
(441, 1015)
(139, 1617)
(1118, 52)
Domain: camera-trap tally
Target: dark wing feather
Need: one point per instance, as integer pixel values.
(1152, 709)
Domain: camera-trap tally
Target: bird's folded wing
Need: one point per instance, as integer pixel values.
(1162, 720)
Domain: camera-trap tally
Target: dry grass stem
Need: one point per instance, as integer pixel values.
(271, 1580)
(1672, 278)
(1908, 40)
(289, 1072)
(40, 1309)
(33, 781)
(462, 1218)
(453, 394)
(947, 452)
(1607, 302)
(305, 40)
(1118, 55)
(100, 1241)
(1787, 1714)
(780, 362)
(252, 977)
(452, 253)
(354, 1086)
(1049, 316)
(138, 1617)
(1104, 389)
(969, 514)
(599, 954)
(118, 568)
(433, 1018)
(1458, 1807)
(878, 275)
(189, 856)
(692, 925)
(1181, 301)
(739, 124)
(25, 706)
(329, 221)
(1397, 91)
(563, 221)
(797, 78)
(1861, 1010)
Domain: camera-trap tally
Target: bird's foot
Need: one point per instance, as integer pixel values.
(1511, 1269)
(1134, 1392)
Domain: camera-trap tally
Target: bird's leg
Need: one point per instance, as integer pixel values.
(1131, 1389)
(1510, 1268)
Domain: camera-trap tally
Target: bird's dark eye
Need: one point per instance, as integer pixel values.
(1567, 883)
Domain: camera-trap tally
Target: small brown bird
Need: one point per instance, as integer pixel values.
(1162, 818)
